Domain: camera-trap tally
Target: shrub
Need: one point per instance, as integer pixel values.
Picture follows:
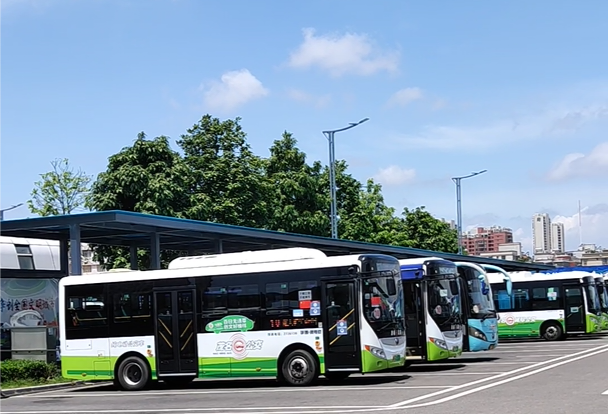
(18, 370)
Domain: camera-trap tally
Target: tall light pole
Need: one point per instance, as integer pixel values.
(332, 174)
(8, 209)
(459, 205)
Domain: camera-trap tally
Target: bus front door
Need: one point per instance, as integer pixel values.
(575, 309)
(175, 332)
(341, 327)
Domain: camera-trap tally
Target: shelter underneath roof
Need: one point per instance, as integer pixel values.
(138, 230)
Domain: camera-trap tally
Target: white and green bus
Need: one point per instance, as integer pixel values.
(290, 313)
(548, 306)
(433, 309)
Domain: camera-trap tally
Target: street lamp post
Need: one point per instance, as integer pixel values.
(8, 209)
(457, 180)
(332, 174)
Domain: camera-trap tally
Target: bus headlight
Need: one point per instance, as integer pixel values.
(377, 352)
(440, 343)
(476, 333)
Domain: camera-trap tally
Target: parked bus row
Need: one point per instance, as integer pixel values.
(295, 314)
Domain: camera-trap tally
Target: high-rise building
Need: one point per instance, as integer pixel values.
(486, 240)
(541, 233)
(558, 242)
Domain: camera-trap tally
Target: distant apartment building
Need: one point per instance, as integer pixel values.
(558, 242)
(506, 251)
(548, 238)
(486, 240)
(541, 233)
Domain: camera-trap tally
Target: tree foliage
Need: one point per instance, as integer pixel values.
(218, 178)
(60, 191)
(227, 183)
(299, 203)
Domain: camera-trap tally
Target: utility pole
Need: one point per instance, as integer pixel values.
(457, 180)
(332, 175)
(8, 209)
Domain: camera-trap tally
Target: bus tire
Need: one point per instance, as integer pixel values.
(133, 374)
(552, 331)
(299, 368)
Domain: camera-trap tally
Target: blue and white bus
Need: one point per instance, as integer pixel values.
(481, 321)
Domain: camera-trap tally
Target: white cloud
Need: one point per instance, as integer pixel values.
(594, 223)
(395, 175)
(594, 164)
(339, 55)
(502, 132)
(405, 96)
(301, 96)
(235, 88)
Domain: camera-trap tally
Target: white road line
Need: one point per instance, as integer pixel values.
(236, 391)
(554, 363)
(529, 351)
(605, 392)
(274, 410)
(505, 381)
(443, 374)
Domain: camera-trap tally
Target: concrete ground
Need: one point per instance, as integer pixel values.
(527, 377)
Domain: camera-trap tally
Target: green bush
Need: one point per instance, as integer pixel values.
(19, 370)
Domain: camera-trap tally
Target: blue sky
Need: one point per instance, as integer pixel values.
(518, 88)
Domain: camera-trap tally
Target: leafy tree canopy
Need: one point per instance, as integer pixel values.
(60, 191)
(215, 176)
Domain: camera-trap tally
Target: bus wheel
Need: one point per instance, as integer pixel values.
(552, 331)
(133, 374)
(299, 368)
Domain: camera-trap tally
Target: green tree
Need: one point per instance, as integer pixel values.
(371, 220)
(423, 231)
(60, 191)
(299, 203)
(228, 183)
(147, 177)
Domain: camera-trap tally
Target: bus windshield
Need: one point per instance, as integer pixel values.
(443, 302)
(482, 305)
(603, 294)
(383, 299)
(593, 300)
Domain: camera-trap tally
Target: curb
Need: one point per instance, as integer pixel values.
(43, 388)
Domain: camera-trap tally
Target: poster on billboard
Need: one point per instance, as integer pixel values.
(28, 302)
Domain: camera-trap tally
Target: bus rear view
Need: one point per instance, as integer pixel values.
(432, 308)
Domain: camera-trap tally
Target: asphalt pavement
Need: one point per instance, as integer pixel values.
(526, 377)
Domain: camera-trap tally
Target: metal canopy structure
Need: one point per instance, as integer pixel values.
(138, 230)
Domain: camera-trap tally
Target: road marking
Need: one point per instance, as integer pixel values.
(572, 357)
(605, 392)
(530, 351)
(505, 381)
(235, 391)
(249, 410)
(443, 374)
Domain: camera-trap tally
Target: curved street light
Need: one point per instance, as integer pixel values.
(457, 180)
(8, 209)
(332, 174)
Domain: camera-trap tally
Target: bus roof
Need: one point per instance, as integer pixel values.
(537, 277)
(421, 260)
(236, 269)
(248, 257)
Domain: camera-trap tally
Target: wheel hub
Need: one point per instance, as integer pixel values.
(298, 368)
(132, 374)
